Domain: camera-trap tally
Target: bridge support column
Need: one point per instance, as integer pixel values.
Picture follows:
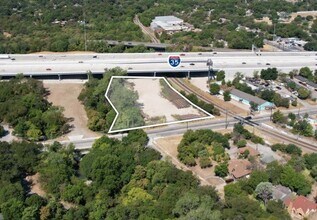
(30, 76)
(154, 74)
(88, 76)
(59, 77)
(188, 74)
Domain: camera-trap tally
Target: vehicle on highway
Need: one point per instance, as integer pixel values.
(267, 64)
(48, 69)
(192, 64)
(41, 56)
(80, 61)
(95, 56)
(200, 54)
(130, 68)
(182, 54)
(13, 58)
(182, 66)
(159, 54)
(279, 88)
(244, 63)
(214, 52)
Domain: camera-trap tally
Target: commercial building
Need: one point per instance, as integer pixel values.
(169, 24)
(246, 98)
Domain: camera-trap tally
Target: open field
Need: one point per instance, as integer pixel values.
(65, 95)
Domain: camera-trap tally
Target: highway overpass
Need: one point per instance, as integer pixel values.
(78, 64)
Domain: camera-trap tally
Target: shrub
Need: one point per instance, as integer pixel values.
(241, 143)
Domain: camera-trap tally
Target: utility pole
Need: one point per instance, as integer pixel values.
(209, 64)
(226, 126)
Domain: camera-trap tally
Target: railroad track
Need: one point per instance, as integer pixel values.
(190, 90)
(183, 86)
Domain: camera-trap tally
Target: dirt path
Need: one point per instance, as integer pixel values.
(65, 95)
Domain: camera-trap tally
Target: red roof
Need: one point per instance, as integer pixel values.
(301, 202)
(239, 168)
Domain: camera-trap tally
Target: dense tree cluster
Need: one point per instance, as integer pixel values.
(99, 111)
(25, 108)
(17, 160)
(269, 74)
(202, 145)
(274, 97)
(61, 25)
(115, 180)
(240, 133)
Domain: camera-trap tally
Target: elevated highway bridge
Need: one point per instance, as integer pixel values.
(78, 64)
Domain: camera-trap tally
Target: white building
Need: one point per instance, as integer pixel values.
(168, 24)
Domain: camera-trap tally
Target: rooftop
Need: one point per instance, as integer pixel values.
(301, 202)
(167, 19)
(310, 83)
(239, 168)
(281, 192)
(248, 97)
(252, 151)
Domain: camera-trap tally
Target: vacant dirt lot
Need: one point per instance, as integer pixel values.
(168, 147)
(65, 95)
(155, 105)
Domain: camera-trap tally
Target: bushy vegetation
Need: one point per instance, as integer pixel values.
(240, 134)
(125, 101)
(25, 108)
(99, 111)
(290, 149)
(206, 106)
(202, 144)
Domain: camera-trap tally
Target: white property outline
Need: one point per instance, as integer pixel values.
(156, 125)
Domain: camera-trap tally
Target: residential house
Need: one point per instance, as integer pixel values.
(239, 168)
(300, 207)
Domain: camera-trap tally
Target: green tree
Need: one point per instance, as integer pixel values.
(214, 88)
(302, 127)
(220, 75)
(264, 191)
(226, 96)
(221, 170)
(269, 74)
(303, 93)
(278, 117)
(241, 143)
(296, 181)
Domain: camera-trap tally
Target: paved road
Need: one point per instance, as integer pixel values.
(176, 129)
(231, 62)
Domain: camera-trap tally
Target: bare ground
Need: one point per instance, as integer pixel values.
(36, 185)
(65, 95)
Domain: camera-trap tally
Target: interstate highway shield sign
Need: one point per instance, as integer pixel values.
(174, 60)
